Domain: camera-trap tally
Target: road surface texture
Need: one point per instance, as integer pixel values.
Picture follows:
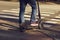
(9, 15)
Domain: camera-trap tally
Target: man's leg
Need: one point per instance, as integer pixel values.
(34, 11)
(21, 12)
(21, 15)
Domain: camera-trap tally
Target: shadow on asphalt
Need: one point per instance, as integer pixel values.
(7, 25)
(9, 19)
(16, 34)
(12, 35)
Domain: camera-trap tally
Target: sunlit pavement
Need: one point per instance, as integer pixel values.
(9, 13)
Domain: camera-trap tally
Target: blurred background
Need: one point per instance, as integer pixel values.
(39, 0)
(55, 1)
(9, 0)
(9, 15)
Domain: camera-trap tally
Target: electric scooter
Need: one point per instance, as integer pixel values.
(54, 34)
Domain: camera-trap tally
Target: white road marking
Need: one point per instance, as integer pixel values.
(8, 17)
(10, 11)
(57, 16)
(45, 14)
(55, 19)
(30, 16)
(27, 17)
(51, 22)
(15, 9)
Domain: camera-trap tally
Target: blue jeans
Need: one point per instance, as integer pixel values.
(23, 4)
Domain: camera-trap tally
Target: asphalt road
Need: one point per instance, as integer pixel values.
(9, 13)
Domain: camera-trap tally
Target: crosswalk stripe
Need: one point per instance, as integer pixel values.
(27, 17)
(51, 22)
(57, 16)
(54, 19)
(15, 9)
(8, 17)
(45, 14)
(10, 11)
